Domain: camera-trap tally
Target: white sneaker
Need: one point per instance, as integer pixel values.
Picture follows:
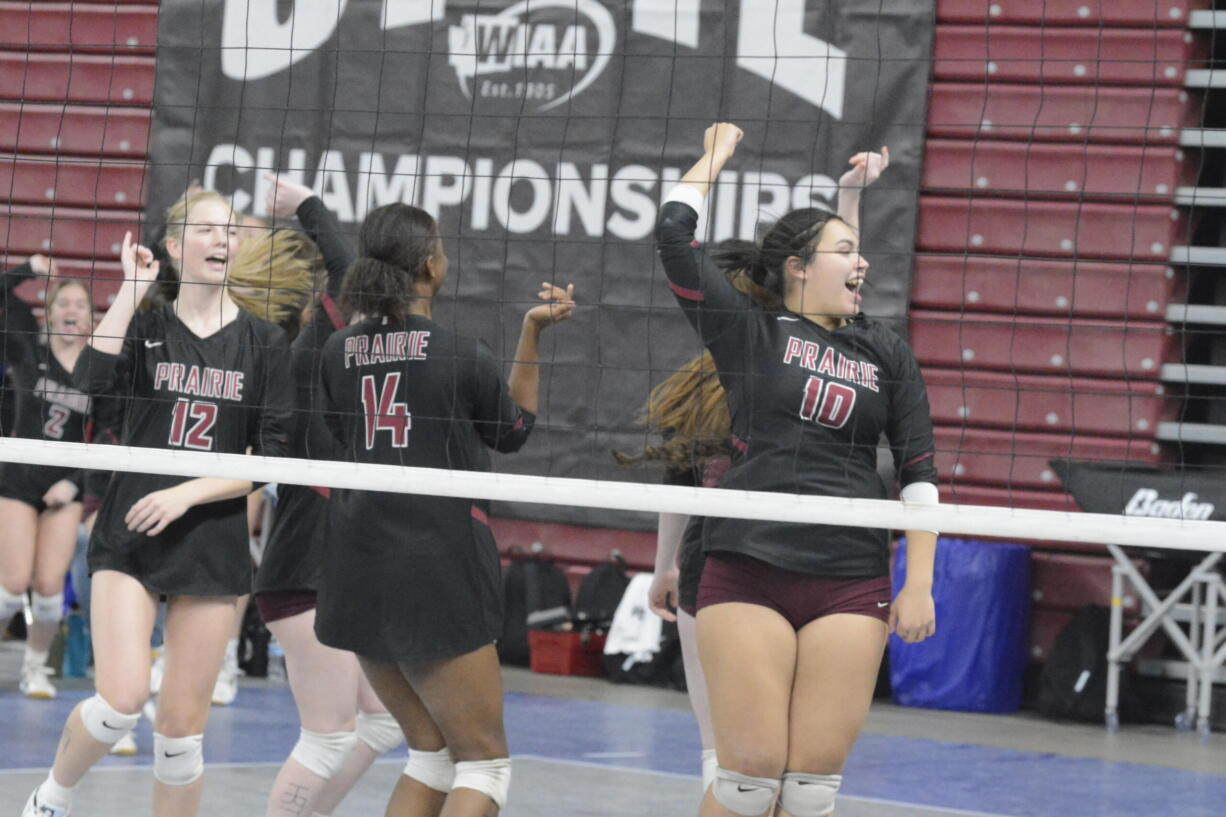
(156, 671)
(35, 809)
(35, 682)
(225, 690)
(125, 746)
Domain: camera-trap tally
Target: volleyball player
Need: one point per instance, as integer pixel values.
(41, 505)
(334, 748)
(397, 388)
(792, 619)
(200, 374)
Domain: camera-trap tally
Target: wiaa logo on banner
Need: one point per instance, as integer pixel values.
(1148, 502)
(544, 51)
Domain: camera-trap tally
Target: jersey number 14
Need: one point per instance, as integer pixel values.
(383, 413)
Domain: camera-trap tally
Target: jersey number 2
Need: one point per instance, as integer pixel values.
(200, 435)
(383, 413)
(57, 416)
(830, 407)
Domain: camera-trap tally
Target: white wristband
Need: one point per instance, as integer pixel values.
(687, 194)
(921, 493)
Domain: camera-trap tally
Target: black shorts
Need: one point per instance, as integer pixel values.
(29, 483)
(798, 597)
(690, 564)
(281, 604)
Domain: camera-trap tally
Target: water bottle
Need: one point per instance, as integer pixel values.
(76, 646)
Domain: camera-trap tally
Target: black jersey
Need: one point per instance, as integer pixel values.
(808, 407)
(47, 405)
(223, 393)
(426, 569)
(293, 551)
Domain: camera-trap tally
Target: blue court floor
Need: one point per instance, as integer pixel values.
(960, 768)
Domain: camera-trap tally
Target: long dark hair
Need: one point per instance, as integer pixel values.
(394, 244)
(796, 234)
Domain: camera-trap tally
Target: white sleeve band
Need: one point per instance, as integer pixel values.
(921, 493)
(687, 194)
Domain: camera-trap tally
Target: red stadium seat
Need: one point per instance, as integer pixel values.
(1093, 13)
(35, 180)
(1113, 408)
(127, 29)
(573, 544)
(1075, 56)
(1049, 229)
(1063, 581)
(75, 130)
(79, 78)
(103, 276)
(66, 231)
(1112, 174)
(1089, 289)
(1059, 114)
(1006, 498)
(1007, 460)
(1034, 345)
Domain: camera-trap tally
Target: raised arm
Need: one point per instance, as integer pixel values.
(525, 379)
(95, 368)
(287, 199)
(866, 168)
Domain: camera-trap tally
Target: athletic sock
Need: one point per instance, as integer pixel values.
(53, 794)
(35, 659)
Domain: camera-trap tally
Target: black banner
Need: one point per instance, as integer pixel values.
(543, 135)
(1120, 489)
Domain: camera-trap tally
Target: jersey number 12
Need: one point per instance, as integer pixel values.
(830, 406)
(200, 435)
(383, 413)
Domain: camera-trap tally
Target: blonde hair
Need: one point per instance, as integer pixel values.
(275, 276)
(177, 214)
(690, 406)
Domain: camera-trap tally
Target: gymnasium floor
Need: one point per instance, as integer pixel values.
(590, 749)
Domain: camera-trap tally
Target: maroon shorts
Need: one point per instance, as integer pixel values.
(798, 597)
(280, 604)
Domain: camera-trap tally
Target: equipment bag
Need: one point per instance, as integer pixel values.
(1073, 683)
(599, 594)
(531, 587)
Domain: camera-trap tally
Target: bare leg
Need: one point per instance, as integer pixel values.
(196, 633)
(362, 756)
(324, 682)
(18, 535)
(57, 540)
(123, 614)
(836, 672)
(749, 658)
(410, 798)
(696, 687)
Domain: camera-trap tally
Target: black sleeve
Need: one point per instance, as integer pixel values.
(502, 424)
(326, 405)
(910, 421)
(18, 326)
(321, 226)
(271, 436)
(716, 310)
(99, 373)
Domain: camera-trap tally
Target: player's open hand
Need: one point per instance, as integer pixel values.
(722, 138)
(866, 168)
(60, 494)
(558, 306)
(151, 514)
(285, 197)
(913, 615)
(139, 266)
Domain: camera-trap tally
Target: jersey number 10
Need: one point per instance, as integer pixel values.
(829, 407)
(383, 413)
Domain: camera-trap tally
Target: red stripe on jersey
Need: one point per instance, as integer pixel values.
(519, 425)
(740, 445)
(326, 493)
(920, 458)
(334, 312)
(695, 243)
(480, 516)
(688, 294)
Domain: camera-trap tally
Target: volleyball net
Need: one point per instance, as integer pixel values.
(1043, 233)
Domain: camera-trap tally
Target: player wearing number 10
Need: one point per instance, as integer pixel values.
(400, 389)
(199, 373)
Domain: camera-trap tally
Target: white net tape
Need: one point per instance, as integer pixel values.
(966, 520)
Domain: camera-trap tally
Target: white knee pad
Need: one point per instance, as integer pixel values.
(323, 754)
(742, 794)
(48, 609)
(809, 795)
(490, 777)
(709, 765)
(379, 731)
(434, 769)
(10, 605)
(178, 761)
(103, 722)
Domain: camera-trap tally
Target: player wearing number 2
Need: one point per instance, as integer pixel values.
(200, 374)
(410, 583)
(792, 618)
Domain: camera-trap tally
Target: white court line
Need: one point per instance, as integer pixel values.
(910, 809)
